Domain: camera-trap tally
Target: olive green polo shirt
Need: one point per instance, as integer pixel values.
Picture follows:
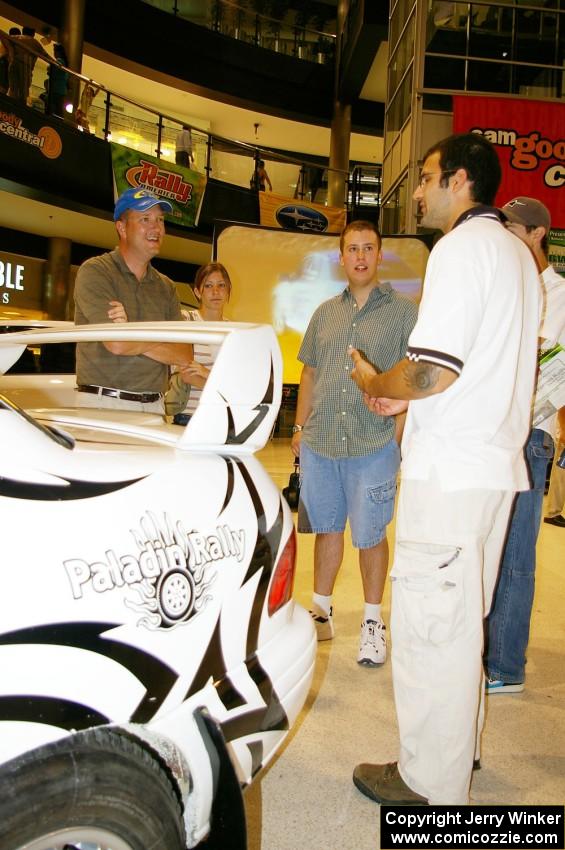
(153, 299)
(340, 425)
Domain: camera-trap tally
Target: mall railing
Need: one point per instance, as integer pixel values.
(283, 30)
(92, 108)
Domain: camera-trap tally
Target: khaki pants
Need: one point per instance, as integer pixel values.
(104, 402)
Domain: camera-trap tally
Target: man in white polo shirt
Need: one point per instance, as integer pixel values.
(469, 376)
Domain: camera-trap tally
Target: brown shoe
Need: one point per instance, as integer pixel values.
(384, 784)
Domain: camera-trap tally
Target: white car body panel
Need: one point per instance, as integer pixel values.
(137, 564)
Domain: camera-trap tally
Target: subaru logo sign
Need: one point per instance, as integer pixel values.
(298, 217)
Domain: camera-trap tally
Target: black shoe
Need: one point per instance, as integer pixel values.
(181, 418)
(555, 520)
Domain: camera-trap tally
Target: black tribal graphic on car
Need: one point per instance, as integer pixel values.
(60, 489)
(272, 715)
(262, 409)
(157, 677)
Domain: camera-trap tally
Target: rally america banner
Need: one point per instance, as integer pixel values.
(280, 211)
(183, 187)
(528, 135)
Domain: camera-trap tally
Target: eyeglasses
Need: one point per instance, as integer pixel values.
(425, 176)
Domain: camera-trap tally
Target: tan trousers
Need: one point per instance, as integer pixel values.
(104, 402)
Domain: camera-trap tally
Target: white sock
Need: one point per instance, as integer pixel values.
(324, 602)
(372, 612)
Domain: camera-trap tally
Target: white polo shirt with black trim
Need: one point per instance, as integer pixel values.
(479, 317)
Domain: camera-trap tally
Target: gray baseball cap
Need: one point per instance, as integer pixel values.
(527, 211)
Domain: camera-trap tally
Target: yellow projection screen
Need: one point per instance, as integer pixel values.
(280, 277)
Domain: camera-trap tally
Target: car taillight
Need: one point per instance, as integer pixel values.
(283, 577)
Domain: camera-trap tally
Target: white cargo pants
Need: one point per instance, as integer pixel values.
(447, 554)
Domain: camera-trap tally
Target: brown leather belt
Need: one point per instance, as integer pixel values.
(143, 398)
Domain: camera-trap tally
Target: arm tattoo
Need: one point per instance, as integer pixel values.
(421, 376)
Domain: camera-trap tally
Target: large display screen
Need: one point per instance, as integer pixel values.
(280, 277)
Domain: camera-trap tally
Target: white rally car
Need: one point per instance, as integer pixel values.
(152, 659)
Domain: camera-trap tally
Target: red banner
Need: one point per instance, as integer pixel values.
(528, 135)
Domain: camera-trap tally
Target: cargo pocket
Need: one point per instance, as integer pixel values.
(382, 502)
(429, 591)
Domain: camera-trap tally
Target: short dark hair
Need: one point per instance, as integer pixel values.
(59, 52)
(14, 31)
(28, 31)
(474, 153)
(204, 273)
(357, 226)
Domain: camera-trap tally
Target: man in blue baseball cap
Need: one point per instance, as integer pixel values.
(123, 286)
(139, 200)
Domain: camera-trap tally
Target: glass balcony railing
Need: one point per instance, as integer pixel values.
(90, 107)
(271, 25)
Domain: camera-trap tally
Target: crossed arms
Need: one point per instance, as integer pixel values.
(171, 353)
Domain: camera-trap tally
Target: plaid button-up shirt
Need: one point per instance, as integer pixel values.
(340, 425)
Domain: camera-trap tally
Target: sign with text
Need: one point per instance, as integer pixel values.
(182, 187)
(49, 155)
(45, 139)
(556, 254)
(21, 282)
(528, 135)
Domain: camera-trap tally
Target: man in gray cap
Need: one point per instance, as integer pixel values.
(122, 286)
(509, 618)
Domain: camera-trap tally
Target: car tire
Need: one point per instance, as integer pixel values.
(96, 790)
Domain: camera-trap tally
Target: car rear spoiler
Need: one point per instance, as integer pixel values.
(242, 395)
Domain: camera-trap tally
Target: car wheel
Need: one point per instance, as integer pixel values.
(93, 791)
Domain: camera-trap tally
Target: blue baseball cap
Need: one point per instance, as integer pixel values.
(139, 200)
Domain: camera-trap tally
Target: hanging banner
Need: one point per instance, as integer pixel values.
(183, 187)
(280, 211)
(528, 135)
(556, 254)
(48, 155)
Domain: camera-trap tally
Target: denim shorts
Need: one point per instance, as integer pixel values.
(359, 488)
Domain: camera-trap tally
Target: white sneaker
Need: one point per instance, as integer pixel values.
(372, 646)
(324, 622)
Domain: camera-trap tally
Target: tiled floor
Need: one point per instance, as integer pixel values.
(306, 798)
